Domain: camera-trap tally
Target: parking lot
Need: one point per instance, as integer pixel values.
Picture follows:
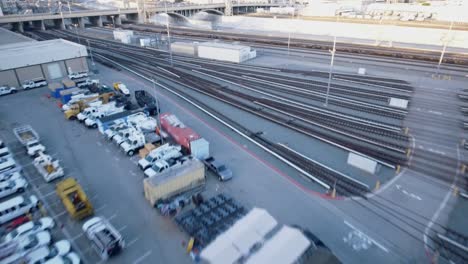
(113, 182)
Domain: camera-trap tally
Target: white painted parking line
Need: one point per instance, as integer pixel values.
(49, 194)
(122, 228)
(100, 208)
(99, 143)
(61, 213)
(140, 259)
(132, 242)
(77, 236)
(112, 217)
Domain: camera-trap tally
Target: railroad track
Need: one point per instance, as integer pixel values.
(400, 53)
(394, 154)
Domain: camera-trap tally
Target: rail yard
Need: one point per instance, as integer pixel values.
(367, 162)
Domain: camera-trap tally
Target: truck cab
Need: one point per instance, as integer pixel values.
(86, 112)
(5, 89)
(164, 152)
(163, 165)
(123, 135)
(34, 147)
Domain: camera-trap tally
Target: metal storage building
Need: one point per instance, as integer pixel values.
(238, 240)
(286, 246)
(51, 60)
(225, 52)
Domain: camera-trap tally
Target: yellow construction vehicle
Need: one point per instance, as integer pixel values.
(76, 108)
(74, 199)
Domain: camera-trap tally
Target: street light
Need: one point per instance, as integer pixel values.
(444, 48)
(69, 9)
(330, 71)
(158, 110)
(91, 54)
(113, 22)
(76, 33)
(168, 34)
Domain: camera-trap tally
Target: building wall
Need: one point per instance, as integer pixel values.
(47, 70)
(29, 73)
(77, 65)
(9, 78)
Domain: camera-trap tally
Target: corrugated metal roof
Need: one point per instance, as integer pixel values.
(238, 240)
(285, 247)
(9, 37)
(24, 54)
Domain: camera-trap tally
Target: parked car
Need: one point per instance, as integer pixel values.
(218, 168)
(70, 258)
(77, 75)
(31, 227)
(33, 241)
(7, 90)
(5, 152)
(11, 175)
(34, 83)
(7, 164)
(42, 254)
(13, 186)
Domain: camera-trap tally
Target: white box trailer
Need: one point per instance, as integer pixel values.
(185, 48)
(173, 182)
(224, 52)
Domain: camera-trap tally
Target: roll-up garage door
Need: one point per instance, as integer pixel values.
(54, 71)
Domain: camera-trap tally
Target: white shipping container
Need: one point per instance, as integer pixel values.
(122, 34)
(223, 52)
(362, 163)
(397, 102)
(200, 148)
(184, 48)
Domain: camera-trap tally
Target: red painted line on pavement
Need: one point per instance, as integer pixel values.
(289, 178)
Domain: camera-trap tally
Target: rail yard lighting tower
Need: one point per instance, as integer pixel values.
(168, 34)
(113, 22)
(91, 55)
(331, 70)
(444, 48)
(158, 110)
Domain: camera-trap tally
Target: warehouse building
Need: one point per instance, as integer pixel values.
(25, 59)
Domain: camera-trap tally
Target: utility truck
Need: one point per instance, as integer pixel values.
(165, 165)
(102, 111)
(29, 138)
(137, 140)
(164, 152)
(87, 112)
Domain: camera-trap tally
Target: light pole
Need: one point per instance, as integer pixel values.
(113, 22)
(168, 34)
(330, 71)
(158, 121)
(444, 48)
(76, 33)
(69, 9)
(91, 54)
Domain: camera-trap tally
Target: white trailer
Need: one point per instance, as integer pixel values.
(29, 138)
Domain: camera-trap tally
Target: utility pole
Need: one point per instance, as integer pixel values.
(91, 54)
(168, 35)
(444, 48)
(158, 121)
(331, 70)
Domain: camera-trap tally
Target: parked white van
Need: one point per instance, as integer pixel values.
(12, 186)
(16, 207)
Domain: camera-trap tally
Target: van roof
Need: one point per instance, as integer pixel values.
(12, 202)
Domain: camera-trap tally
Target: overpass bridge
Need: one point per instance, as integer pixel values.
(96, 17)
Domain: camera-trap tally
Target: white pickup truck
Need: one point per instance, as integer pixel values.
(164, 152)
(86, 83)
(34, 84)
(136, 141)
(163, 165)
(77, 75)
(29, 138)
(102, 111)
(7, 90)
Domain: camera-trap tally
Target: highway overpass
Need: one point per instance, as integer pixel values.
(96, 17)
